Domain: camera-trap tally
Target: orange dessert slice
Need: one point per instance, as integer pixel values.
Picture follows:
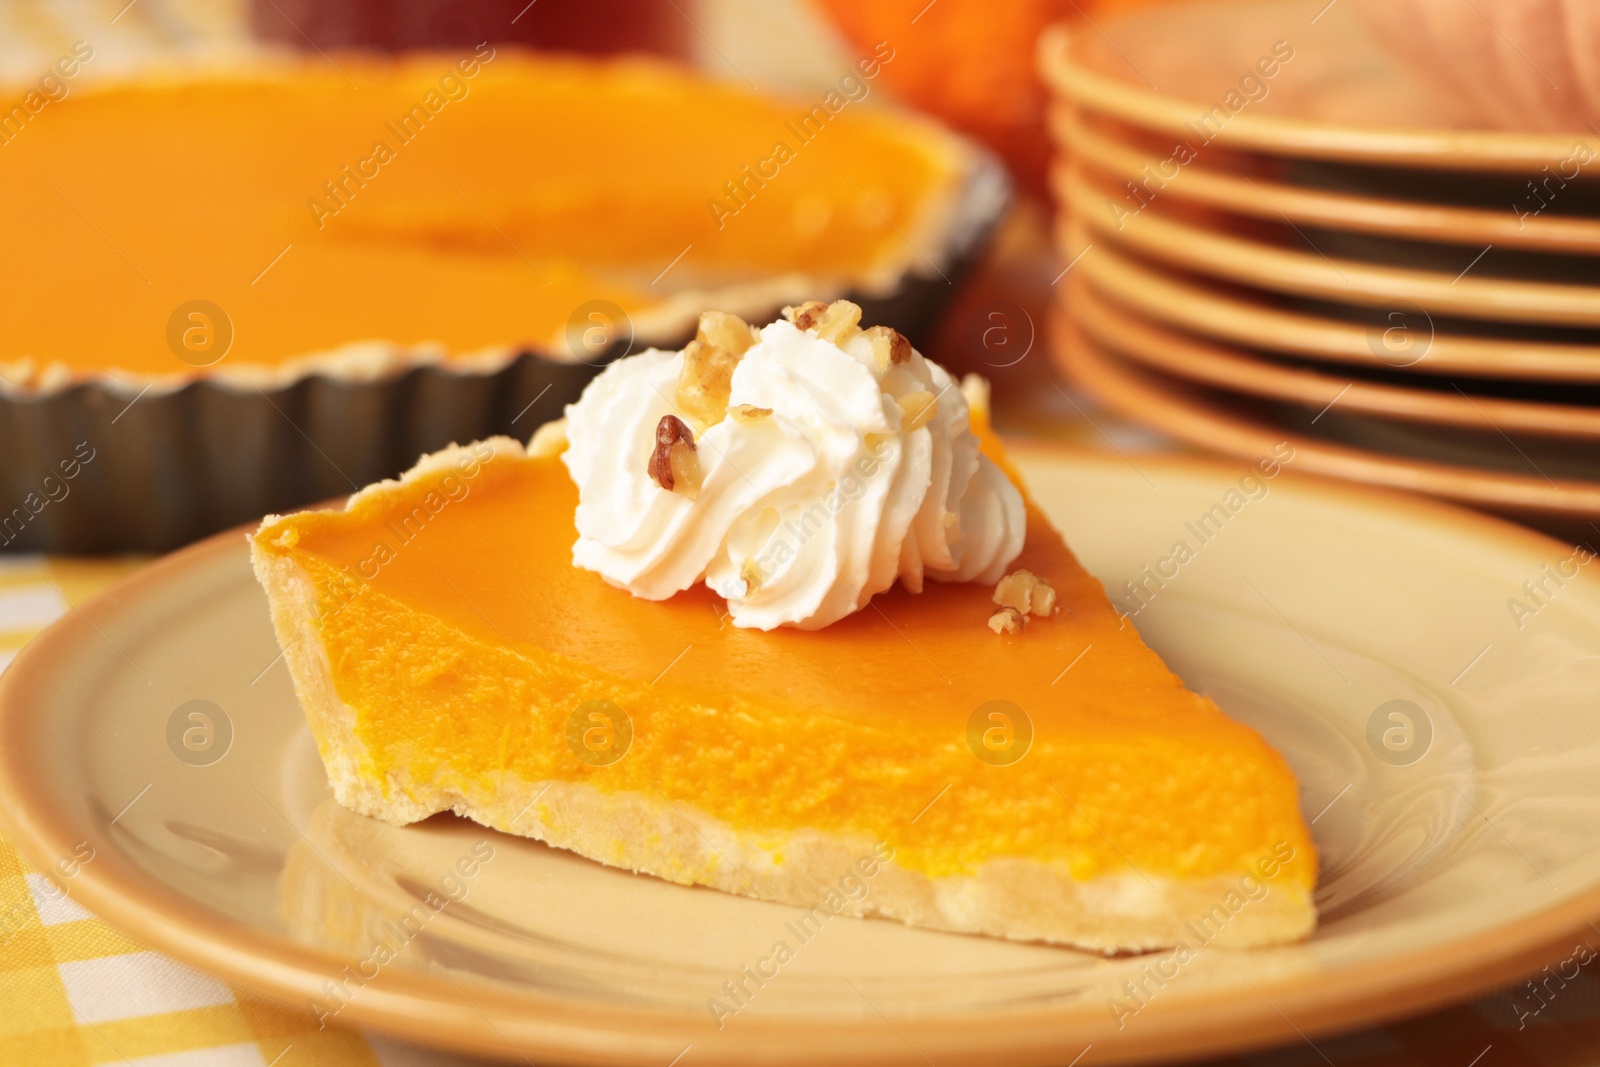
(905, 762)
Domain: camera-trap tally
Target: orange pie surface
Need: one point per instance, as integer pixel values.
(320, 203)
(462, 636)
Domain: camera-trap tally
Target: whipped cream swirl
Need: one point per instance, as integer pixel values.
(825, 483)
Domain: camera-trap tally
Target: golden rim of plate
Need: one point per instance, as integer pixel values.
(1247, 319)
(1180, 411)
(1160, 236)
(1068, 69)
(1093, 146)
(1116, 330)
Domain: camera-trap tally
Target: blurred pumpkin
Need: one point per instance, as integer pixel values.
(972, 64)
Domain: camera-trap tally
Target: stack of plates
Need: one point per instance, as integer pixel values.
(1278, 231)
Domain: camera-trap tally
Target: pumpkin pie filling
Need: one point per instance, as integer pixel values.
(466, 638)
(468, 201)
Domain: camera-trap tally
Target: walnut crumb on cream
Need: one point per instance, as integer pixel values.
(805, 316)
(837, 322)
(840, 323)
(674, 466)
(727, 332)
(889, 346)
(708, 362)
(1008, 621)
(1027, 593)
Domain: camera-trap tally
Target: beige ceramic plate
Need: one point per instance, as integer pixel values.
(1461, 851)
(1340, 95)
(1277, 201)
(1218, 254)
(1404, 338)
(1196, 360)
(1219, 425)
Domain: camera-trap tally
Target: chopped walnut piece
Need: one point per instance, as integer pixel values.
(836, 322)
(889, 346)
(749, 412)
(674, 466)
(805, 316)
(916, 409)
(727, 332)
(1027, 593)
(705, 382)
(708, 362)
(1007, 621)
(840, 322)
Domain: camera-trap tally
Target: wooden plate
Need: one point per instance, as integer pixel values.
(1320, 607)
(1214, 424)
(1404, 339)
(1182, 356)
(1165, 238)
(1099, 150)
(1339, 96)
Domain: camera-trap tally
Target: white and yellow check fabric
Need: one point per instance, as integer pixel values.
(76, 991)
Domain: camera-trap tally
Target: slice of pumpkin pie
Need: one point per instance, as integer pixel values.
(772, 615)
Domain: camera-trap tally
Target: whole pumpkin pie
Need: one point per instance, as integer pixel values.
(771, 614)
(249, 290)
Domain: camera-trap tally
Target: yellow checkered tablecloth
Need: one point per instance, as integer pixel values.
(75, 991)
